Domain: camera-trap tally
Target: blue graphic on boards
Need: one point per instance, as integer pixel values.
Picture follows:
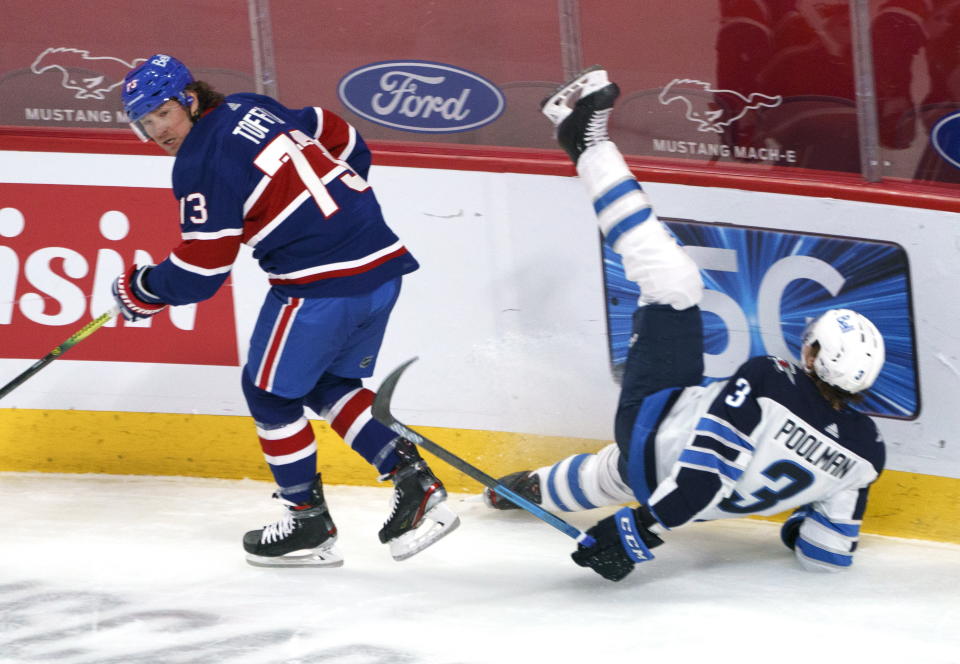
(763, 287)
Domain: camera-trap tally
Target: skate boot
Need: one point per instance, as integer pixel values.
(304, 537)
(525, 484)
(418, 515)
(580, 109)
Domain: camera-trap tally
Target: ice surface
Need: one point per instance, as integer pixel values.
(107, 569)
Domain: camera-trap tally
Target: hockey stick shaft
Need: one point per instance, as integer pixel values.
(381, 413)
(74, 339)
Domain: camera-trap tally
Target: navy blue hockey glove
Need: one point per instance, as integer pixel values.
(132, 296)
(622, 540)
(790, 530)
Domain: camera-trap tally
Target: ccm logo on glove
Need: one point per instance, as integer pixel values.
(632, 543)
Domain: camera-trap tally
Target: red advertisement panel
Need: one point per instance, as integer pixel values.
(61, 246)
(733, 85)
(915, 57)
(758, 83)
(61, 63)
(515, 45)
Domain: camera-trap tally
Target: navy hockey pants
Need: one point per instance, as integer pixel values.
(666, 355)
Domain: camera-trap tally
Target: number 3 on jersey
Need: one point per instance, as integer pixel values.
(315, 167)
(736, 399)
(787, 479)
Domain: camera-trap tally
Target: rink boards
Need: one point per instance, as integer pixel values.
(511, 316)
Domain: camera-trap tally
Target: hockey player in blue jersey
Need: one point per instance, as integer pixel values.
(771, 438)
(291, 184)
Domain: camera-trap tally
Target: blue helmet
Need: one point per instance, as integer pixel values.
(149, 85)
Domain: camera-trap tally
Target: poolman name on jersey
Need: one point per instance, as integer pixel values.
(813, 450)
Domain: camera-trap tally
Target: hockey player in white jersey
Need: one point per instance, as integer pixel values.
(771, 438)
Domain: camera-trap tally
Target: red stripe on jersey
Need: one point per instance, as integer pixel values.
(284, 186)
(345, 272)
(336, 133)
(350, 411)
(289, 445)
(274, 347)
(209, 254)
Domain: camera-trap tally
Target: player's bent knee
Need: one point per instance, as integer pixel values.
(329, 389)
(687, 290)
(665, 273)
(267, 408)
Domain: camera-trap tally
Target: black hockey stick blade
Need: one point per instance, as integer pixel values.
(381, 412)
(74, 339)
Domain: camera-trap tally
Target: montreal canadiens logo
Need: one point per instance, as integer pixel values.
(945, 137)
(418, 96)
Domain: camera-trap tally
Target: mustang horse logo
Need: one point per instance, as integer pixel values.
(702, 109)
(91, 77)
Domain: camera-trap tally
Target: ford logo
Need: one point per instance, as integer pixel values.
(425, 97)
(945, 137)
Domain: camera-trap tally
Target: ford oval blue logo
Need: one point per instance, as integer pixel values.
(945, 137)
(426, 97)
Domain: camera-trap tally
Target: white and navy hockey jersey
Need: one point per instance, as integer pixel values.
(291, 184)
(763, 442)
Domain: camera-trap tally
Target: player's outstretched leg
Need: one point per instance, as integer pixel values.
(304, 537)
(579, 482)
(580, 109)
(419, 516)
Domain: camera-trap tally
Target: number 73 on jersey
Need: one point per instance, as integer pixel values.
(313, 164)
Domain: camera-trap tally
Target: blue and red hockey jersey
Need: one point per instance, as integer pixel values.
(292, 185)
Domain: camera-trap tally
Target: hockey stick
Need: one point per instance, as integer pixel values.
(381, 413)
(77, 337)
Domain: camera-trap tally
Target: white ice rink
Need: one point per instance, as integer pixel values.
(104, 569)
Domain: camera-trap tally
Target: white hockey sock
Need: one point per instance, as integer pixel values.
(583, 481)
(618, 199)
(651, 256)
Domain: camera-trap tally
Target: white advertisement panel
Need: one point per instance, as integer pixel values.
(507, 313)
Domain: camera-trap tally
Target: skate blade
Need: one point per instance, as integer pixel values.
(557, 106)
(309, 558)
(439, 522)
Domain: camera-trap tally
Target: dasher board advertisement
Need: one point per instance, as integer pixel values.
(762, 289)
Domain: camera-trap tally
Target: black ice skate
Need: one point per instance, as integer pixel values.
(304, 537)
(580, 109)
(525, 484)
(418, 515)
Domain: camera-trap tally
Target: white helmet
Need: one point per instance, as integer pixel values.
(851, 349)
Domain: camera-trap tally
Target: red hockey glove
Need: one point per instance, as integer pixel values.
(133, 298)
